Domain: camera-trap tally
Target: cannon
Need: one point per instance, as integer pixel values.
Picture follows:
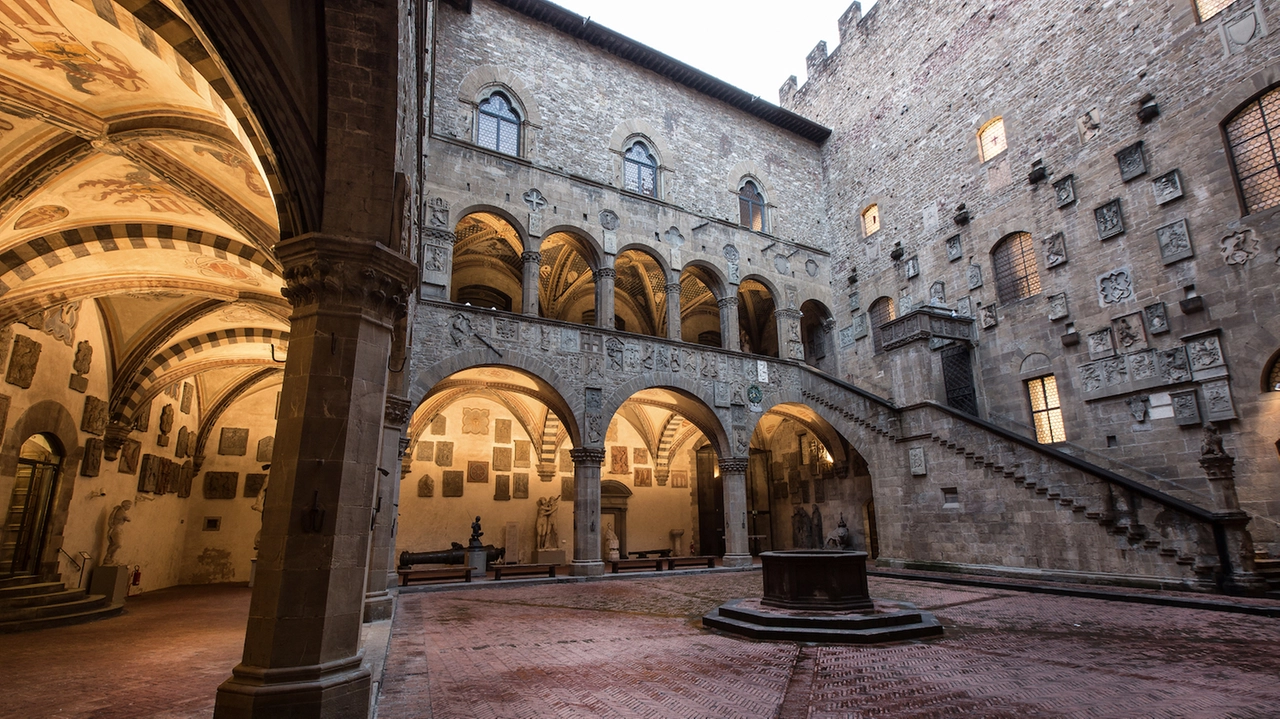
(456, 554)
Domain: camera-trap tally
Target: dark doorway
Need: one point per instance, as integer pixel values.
(710, 505)
(873, 536)
(30, 505)
(613, 512)
(760, 519)
(957, 374)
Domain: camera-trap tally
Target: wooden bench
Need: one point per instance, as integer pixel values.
(523, 570)
(618, 565)
(427, 575)
(662, 553)
(674, 562)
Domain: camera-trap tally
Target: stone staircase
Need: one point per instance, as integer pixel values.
(27, 602)
(1269, 569)
(1136, 514)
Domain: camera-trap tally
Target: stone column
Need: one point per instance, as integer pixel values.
(302, 646)
(379, 593)
(673, 311)
(586, 512)
(729, 323)
(733, 473)
(529, 287)
(1231, 533)
(790, 345)
(604, 296)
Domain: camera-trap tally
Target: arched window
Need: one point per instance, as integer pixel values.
(640, 170)
(881, 311)
(1208, 8)
(1253, 134)
(991, 139)
(1014, 258)
(870, 220)
(1046, 410)
(498, 127)
(1273, 384)
(751, 206)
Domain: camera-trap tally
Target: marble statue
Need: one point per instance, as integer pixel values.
(839, 537)
(611, 541)
(1211, 445)
(115, 526)
(546, 523)
(258, 504)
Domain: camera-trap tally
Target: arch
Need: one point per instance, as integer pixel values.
(209, 418)
(992, 139)
(615, 488)
(881, 311)
(700, 291)
(1242, 130)
(708, 274)
(499, 124)
(1035, 364)
(1271, 373)
(590, 248)
(765, 281)
(484, 78)
(753, 206)
(543, 375)
(750, 170)
(816, 336)
(487, 268)
(502, 214)
(567, 278)
(640, 291)
(698, 411)
(49, 418)
(1013, 260)
(808, 417)
(652, 253)
(628, 131)
(758, 317)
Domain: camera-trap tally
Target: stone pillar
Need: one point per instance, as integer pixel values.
(437, 254)
(302, 646)
(529, 287)
(790, 346)
(604, 296)
(673, 311)
(380, 587)
(1231, 534)
(586, 512)
(733, 473)
(729, 323)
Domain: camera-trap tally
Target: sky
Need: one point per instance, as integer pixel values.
(753, 44)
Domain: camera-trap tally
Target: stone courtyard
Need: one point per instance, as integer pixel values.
(634, 647)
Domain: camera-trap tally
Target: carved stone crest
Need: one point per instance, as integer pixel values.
(1064, 190)
(938, 293)
(1137, 407)
(1132, 162)
(439, 208)
(1167, 187)
(989, 319)
(1173, 365)
(916, 460)
(475, 420)
(1175, 242)
(1239, 247)
(534, 199)
(1101, 344)
(1217, 400)
(674, 238)
(1157, 318)
(1186, 410)
(1055, 250)
(954, 249)
(1057, 306)
(974, 275)
(609, 219)
(1114, 287)
(1109, 219)
(1130, 335)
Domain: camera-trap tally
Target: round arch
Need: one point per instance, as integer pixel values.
(521, 231)
(697, 409)
(49, 418)
(588, 246)
(718, 281)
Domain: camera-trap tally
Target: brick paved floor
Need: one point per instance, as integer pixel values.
(634, 647)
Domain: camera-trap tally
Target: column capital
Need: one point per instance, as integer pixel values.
(604, 273)
(333, 270)
(587, 455)
(397, 411)
(673, 288)
(736, 465)
(727, 302)
(531, 257)
(117, 432)
(789, 313)
(439, 236)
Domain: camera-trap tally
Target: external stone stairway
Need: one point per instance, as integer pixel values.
(27, 602)
(1269, 569)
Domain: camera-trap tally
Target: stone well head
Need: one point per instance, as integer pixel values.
(817, 580)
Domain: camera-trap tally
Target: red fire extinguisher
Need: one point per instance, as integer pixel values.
(136, 577)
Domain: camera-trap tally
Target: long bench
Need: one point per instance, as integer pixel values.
(523, 570)
(700, 561)
(645, 554)
(617, 565)
(427, 575)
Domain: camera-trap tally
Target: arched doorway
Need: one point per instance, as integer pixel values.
(30, 506)
(815, 333)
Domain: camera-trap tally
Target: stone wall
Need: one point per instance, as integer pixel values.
(906, 93)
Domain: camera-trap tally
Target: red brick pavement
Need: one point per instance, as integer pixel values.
(635, 649)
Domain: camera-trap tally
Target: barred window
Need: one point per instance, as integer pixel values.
(498, 127)
(1274, 383)
(870, 220)
(1253, 134)
(640, 170)
(751, 206)
(1208, 8)
(881, 311)
(1046, 411)
(1014, 258)
(991, 139)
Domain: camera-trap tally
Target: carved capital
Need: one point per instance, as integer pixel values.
(397, 411)
(117, 432)
(439, 236)
(788, 313)
(531, 258)
(326, 270)
(605, 273)
(404, 445)
(733, 465)
(591, 456)
(728, 303)
(673, 288)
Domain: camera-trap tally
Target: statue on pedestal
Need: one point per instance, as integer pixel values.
(611, 542)
(476, 534)
(1211, 445)
(115, 527)
(546, 523)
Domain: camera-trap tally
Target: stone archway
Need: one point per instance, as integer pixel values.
(613, 508)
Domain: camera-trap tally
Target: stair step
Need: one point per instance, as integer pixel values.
(39, 600)
(18, 580)
(88, 615)
(1169, 552)
(84, 603)
(1186, 559)
(26, 590)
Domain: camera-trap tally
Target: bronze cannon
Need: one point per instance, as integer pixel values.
(457, 554)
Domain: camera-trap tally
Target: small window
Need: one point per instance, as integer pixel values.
(870, 220)
(1208, 8)
(499, 125)
(1253, 134)
(991, 139)
(1046, 411)
(881, 311)
(640, 171)
(950, 497)
(1014, 258)
(1274, 382)
(751, 206)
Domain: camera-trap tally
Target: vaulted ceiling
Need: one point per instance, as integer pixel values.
(131, 177)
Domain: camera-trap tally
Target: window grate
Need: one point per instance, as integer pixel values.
(881, 311)
(1046, 411)
(992, 140)
(498, 127)
(1015, 264)
(1253, 135)
(1208, 8)
(751, 206)
(1274, 382)
(870, 220)
(640, 171)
